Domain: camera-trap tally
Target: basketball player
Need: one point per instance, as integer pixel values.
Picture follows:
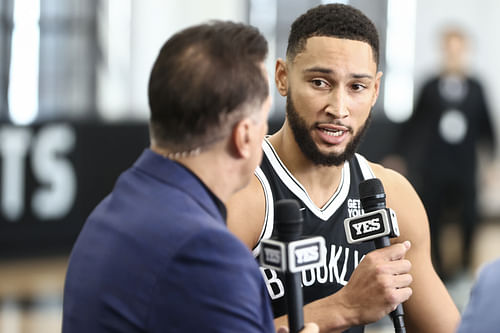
(331, 82)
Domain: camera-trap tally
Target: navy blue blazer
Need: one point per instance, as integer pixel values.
(156, 256)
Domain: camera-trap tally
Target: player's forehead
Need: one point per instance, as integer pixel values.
(335, 54)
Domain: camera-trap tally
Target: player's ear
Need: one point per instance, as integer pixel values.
(281, 77)
(377, 87)
(241, 138)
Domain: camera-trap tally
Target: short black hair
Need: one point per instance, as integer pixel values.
(203, 75)
(332, 20)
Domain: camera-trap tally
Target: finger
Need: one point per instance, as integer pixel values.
(283, 329)
(396, 251)
(402, 281)
(401, 266)
(402, 295)
(310, 328)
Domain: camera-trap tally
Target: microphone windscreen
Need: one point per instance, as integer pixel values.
(371, 194)
(288, 219)
(370, 187)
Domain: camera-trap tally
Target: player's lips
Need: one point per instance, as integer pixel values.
(332, 134)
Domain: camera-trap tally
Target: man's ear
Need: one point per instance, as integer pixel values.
(281, 77)
(377, 87)
(241, 138)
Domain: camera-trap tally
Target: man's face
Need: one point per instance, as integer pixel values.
(331, 87)
(304, 139)
(455, 53)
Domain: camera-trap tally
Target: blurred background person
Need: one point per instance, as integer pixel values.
(439, 144)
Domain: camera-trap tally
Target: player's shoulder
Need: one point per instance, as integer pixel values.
(404, 200)
(392, 180)
(400, 193)
(252, 193)
(246, 211)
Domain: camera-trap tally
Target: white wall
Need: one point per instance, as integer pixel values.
(155, 20)
(123, 91)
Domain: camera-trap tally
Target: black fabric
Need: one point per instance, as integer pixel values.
(443, 172)
(422, 144)
(96, 155)
(330, 279)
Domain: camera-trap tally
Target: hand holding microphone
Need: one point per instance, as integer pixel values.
(378, 223)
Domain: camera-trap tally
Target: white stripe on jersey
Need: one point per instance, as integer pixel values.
(294, 185)
(267, 228)
(365, 167)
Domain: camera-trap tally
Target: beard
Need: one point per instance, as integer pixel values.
(309, 148)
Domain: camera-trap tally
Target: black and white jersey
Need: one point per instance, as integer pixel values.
(327, 221)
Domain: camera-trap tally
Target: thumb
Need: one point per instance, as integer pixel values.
(398, 251)
(311, 328)
(308, 328)
(283, 329)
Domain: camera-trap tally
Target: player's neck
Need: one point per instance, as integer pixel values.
(320, 182)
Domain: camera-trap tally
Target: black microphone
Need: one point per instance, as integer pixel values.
(290, 253)
(378, 223)
(288, 229)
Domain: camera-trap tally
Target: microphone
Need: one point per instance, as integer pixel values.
(378, 223)
(290, 253)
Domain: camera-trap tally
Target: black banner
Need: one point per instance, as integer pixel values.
(53, 175)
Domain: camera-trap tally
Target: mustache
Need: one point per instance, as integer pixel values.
(334, 122)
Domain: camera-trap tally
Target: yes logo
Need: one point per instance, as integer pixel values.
(367, 226)
(307, 254)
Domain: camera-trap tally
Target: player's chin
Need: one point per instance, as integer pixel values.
(332, 149)
(332, 153)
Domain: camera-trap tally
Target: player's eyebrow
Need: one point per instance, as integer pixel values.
(325, 70)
